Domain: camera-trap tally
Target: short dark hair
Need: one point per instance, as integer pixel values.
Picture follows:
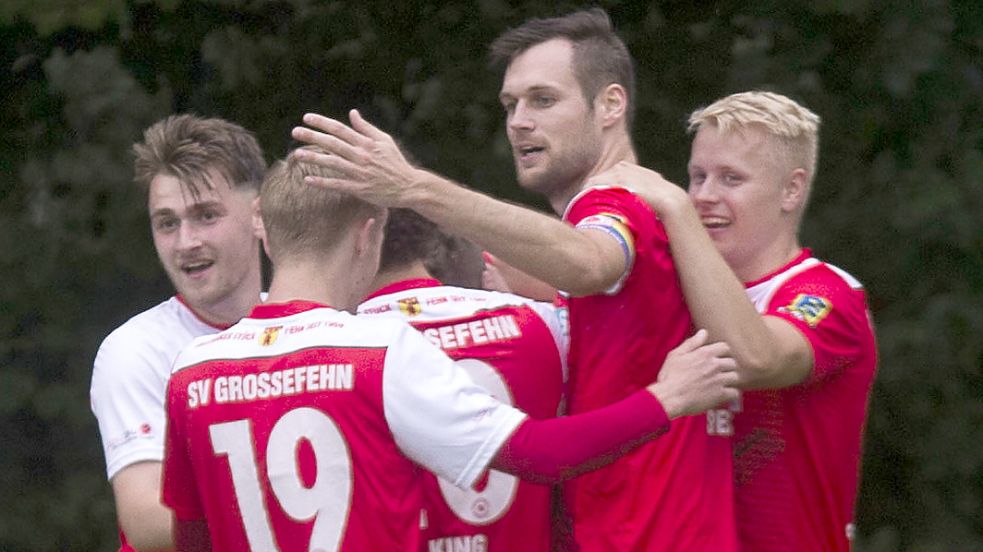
(188, 146)
(409, 238)
(600, 57)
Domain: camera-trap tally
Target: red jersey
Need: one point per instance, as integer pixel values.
(797, 450)
(516, 349)
(302, 428)
(674, 493)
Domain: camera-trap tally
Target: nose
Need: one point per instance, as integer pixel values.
(520, 118)
(188, 237)
(704, 192)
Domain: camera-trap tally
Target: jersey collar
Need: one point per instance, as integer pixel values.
(403, 285)
(201, 318)
(803, 255)
(280, 310)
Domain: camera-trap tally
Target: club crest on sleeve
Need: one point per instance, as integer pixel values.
(410, 306)
(269, 336)
(810, 309)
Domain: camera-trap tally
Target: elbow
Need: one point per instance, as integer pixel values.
(770, 371)
(590, 279)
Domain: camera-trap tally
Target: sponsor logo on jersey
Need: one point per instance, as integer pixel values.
(410, 306)
(810, 309)
(269, 335)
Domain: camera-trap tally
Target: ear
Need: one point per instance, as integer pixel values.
(612, 104)
(795, 190)
(368, 235)
(258, 229)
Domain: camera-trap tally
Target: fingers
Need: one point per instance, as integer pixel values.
(338, 129)
(327, 142)
(366, 128)
(693, 343)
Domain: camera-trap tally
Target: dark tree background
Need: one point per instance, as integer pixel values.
(898, 200)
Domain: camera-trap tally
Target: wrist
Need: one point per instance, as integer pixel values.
(667, 399)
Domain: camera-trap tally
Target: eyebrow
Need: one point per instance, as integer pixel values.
(530, 90)
(197, 206)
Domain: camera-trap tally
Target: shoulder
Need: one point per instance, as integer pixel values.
(611, 199)
(814, 291)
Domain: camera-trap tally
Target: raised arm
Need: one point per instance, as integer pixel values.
(369, 165)
(770, 352)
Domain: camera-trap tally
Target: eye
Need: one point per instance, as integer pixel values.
(733, 179)
(165, 224)
(543, 101)
(697, 178)
(209, 216)
(508, 106)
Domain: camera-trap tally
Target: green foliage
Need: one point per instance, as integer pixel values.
(896, 201)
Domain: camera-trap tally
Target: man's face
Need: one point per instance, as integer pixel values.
(735, 183)
(553, 130)
(207, 247)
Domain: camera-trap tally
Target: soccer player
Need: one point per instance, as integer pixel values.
(799, 327)
(568, 93)
(513, 347)
(303, 427)
(201, 177)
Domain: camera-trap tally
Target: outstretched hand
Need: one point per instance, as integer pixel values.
(696, 376)
(649, 185)
(365, 161)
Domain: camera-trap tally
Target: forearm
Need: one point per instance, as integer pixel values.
(145, 521)
(718, 300)
(542, 246)
(556, 449)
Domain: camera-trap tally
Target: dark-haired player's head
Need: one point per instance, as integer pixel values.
(568, 93)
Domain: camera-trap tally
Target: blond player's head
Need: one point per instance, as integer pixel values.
(793, 129)
(303, 220)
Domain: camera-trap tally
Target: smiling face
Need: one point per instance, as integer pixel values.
(207, 246)
(554, 131)
(746, 196)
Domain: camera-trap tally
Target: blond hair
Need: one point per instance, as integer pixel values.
(794, 128)
(187, 147)
(303, 219)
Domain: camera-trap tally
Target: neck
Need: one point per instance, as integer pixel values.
(414, 271)
(777, 255)
(324, 281)
(617, 148)
(236, 306)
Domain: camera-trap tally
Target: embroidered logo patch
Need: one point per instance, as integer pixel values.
(810, 309)
(269, 336)
(410, 306)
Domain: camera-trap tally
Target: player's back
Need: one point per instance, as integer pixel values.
(286, 424)
(674, 493)
(515, 348)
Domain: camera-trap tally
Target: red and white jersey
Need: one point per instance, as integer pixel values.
(797, 450)
(516, 349)
(129, 379)
(301, 427)
(676, 492)
(129, 382)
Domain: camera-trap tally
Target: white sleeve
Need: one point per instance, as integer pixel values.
(127, 398)
(558, 321)
(438, 416)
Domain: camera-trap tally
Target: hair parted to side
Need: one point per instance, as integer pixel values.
(187, 147)
(794, 128)
(600, 57)
(302, 219)
(409, 238)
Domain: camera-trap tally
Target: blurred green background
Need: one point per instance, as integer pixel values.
(898, 200)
